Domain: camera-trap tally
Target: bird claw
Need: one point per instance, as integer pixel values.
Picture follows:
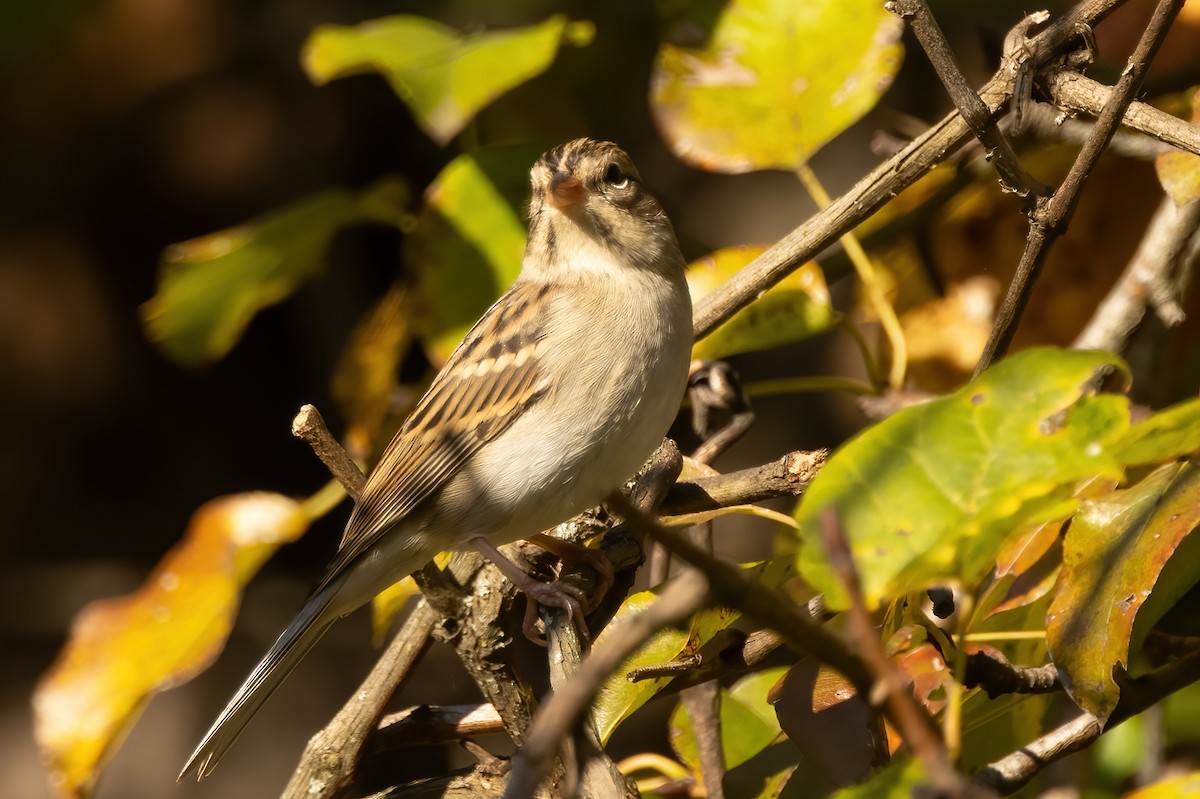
(556, 594)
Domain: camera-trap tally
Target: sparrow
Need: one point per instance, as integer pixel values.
(555, 397)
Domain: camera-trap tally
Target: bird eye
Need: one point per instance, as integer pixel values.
(613, 175)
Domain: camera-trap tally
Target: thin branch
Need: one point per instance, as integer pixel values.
(884, 182)
(734, 588)
(1070, 90)
(590, 772)
(563, 711)
(915, 724)
(1047, 122)
(332, 756)
(1013, 771)
(787, 476)
(309, 427)
(703, 705)
(991, 671)
(1167, 246)
(973, 111)
(424, 725)
(1050, 218)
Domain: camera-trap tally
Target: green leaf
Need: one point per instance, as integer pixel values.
(899, 780)
(443, 77)
(1113, 554)
(930, 494)
(619, 697)
(1168, 434)
(467, 245)
(794, 309)
(768, 773)
(776, 80)
(210, 288)
(748, 723)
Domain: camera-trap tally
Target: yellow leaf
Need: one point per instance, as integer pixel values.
(122, 651)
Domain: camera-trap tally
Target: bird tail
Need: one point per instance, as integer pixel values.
(283, 656)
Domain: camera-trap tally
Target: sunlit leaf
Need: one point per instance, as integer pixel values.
(211, 287)
(1168, 434)
(1027, 564)
(775, 81)
(467, 244)
(123, 651)
(946, 335)
(1113, 554)
(929, 494)
(794, 309)
(444, 77)
(747, 721)
(1171, 788)
(1179, 172)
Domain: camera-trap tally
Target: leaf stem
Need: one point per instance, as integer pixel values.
(870, 280)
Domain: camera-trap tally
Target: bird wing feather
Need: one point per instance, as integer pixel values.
(492, 378)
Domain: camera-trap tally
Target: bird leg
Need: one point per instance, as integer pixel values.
(556, 594)
(572, 554)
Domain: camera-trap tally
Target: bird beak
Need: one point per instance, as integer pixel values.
(565, 191)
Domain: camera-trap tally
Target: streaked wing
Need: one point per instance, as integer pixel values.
(491, 378)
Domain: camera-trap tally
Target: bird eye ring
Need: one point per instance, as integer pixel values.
(613, 176)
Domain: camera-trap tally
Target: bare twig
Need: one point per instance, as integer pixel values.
(787, 476)
(565, 708)
(733, 587)
(1047, 122)
(915, 724)
(973, 111)
(331, 757)
(991, 671)
(591, 772)
(309, 427)
(884, 182)
(703, 703)
(423, 725)
(1015, 770)
(1071, 90)
(1050, 218)
(1168, 245)
(716, 392)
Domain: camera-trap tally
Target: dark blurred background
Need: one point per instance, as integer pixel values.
(128, 125)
